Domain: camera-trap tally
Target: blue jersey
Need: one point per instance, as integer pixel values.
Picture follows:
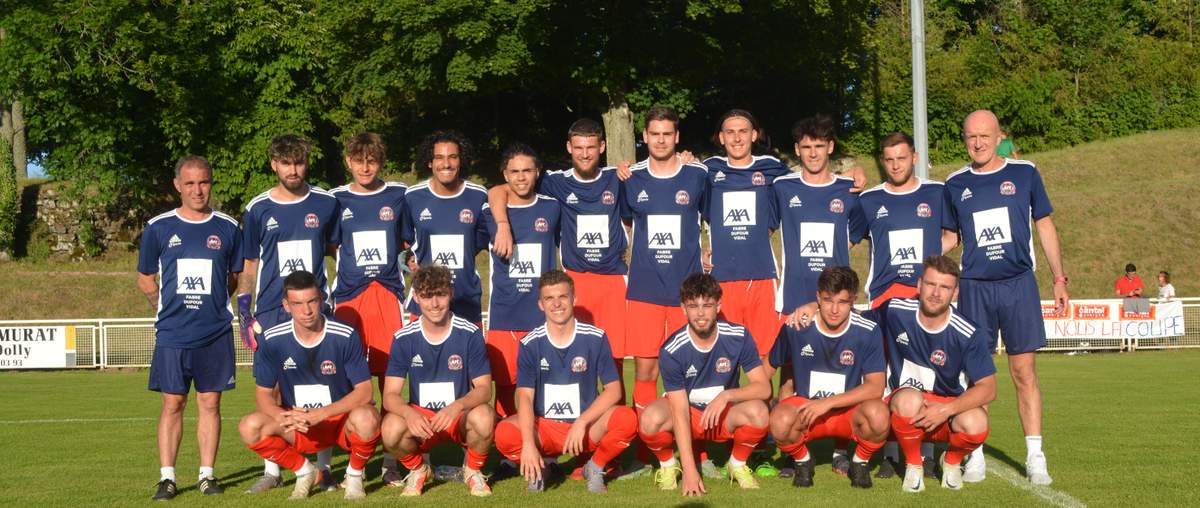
(904, 228)
(992, 212)
(666, 230)
(564, 378)
(447, 231)
(193, 261)
(438, 373)
(288, 237)
(593, 239)
(941, 362)
(819, 223)
(369, 249)
(741, 215)
(513, 302)
(311, 376)
(824, 365)
(704, 374)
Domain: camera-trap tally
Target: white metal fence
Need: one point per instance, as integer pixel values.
(112, 343)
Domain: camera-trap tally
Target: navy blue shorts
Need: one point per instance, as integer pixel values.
(211, 368)
(1011, 307)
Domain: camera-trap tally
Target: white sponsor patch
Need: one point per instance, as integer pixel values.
(447, 250)
(526, 262)
(561, 402)
(816, 239)
(702, 396)
(739, 208)
(992, 227)
(294, 255)
(591, 231)
(916, 376)
(370, 248)
(662, 232)
(825, 384)
(193, 276)
(907, 246)
(312, 396)
(436, 396)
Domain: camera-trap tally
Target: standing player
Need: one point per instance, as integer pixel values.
(443, 359)
(370, 282)
(559, 408)
(196, 252)
(663, 199)
(704, 403)
(838, 373)
(992, 205)
(941, 374)
(442, 216)
(288, 228)
(513, 301)
(318, 368)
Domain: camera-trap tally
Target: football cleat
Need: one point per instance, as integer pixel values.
(914, 479)
(951, 475)
(803, 474)
(667, 477)
(393, 478)
(708, 469)
(209, 486)
(265, 482)
(354, 487)
(594, 475)
(165, 490)
(860, 475)
(414, 483)
(1035, 469)
(743, 475)
(476, 482)
(974, 468)
(304, 484)
(930, 466)
(841, 464)
(325, 482)
(887, 469)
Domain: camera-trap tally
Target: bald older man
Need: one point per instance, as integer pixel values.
(992, 205)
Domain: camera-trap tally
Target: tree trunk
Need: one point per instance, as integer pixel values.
(618, 128)
(9, 197)
(17, 142)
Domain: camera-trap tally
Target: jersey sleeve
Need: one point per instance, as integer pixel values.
(355, 360)
(333, 233)
(858, 220)
(407, 223)
(487, 230)
(977, 360)
(781, 351)
(237, 260)
(527, 368)
(477, 361)
(1039, 201)
(949, 213)
(607, 370)
(778, 207)
(250, 237)
(626, 208)
(748, 357)
(872, 358)
(265, 373)
(398, 358)
(148, 252)
(669, 369)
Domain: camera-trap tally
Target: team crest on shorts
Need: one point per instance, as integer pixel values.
(328, 368)
(579, 364)
(386, 214)
(466, 217)
(540, 225)
(847, 357)
(723, 365)
(311, 221)
(682, 198)
(608, 198)
(1008, 188)
(938, 358)
(758, 179)
(836, 206)
(214, 242)
(454, 362)
(924, 211)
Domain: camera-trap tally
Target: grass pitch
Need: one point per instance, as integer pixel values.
(1120, 430)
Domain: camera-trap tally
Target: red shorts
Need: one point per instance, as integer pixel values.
(376, 314)
(896, 290)
(600, 300)
(452, 434)
(942, 433)
(717, 434)
(647, 326)
(751, 303)
(552, 434)
(835, 423)
(331, 431)
(502, 347)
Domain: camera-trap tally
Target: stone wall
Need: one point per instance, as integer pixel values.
(111, 227)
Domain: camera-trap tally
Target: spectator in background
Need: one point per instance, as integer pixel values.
(1166, 292)
(1130, 285)
(1005, 148)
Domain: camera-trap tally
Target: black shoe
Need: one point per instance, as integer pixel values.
(804, 474)
(209, 486)
(887, 469)
(860, 475)
(166, 491)
(933, 470)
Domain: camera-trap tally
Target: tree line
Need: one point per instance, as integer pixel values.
(110, 92)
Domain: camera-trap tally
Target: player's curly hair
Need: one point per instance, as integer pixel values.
(433, 280)
(555, 277)
(466, 153)
(290, 149)
(819, 126)
(366, 145)
(835, 279)
(941, 264)
(699, 285)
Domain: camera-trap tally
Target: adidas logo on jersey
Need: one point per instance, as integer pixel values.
(289, 363)
(271, 224)
(347, 214)
(642, 196)
(794, 202)
(571, 199)
(902, 339)
(425, 215)
(545, 364)
(691, 372)
(174, 241)
(881, 213)
(416, 361)
(807, 351)
(720, 176)
(966, 195)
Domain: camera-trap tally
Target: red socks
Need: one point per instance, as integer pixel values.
(277, 450)
(866, 449)
(475, 459)
(361, 450)
(644, 392)
(659, 444)
(745, 439)
(909, 437)
(962, 444)
(797, 450)
(622, 428)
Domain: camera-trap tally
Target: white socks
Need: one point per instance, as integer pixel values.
(270, 468)
(1033, 445)
(350, 471)
(667, 463)
(735, 462)
(166, 473)
(205, 472)
(805, 458)
(307, 468)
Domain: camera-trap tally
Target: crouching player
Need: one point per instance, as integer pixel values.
(838, 373)
(442, 357)
(321, 372)
(558, 409)
(699, 365)
(932, 345)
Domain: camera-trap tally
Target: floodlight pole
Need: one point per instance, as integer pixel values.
(920, 122)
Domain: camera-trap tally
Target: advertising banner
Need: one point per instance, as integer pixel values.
(37, 347)
(1105, 319)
